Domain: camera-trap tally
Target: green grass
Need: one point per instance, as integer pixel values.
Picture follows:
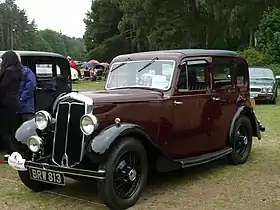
(88, 85)
(254, 185)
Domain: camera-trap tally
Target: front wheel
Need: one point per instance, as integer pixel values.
(35, 186)
(273, 101)
(241, 141)
(126, 174)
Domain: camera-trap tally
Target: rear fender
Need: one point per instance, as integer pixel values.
(250, 113)
(103, 141)
(25, 131)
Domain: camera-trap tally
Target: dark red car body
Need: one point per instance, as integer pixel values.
(199, 124)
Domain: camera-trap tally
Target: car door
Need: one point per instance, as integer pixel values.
(191, 116)
(224, 97)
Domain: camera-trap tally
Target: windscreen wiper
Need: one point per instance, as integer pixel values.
(148, 64)
(120, 65)
(141, 87)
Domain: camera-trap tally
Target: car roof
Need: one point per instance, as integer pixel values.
(36, 53)
(261, 68)
(179, 53)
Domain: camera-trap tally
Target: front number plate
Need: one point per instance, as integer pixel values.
(47, 176)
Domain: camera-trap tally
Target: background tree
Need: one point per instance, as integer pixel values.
(120, 26)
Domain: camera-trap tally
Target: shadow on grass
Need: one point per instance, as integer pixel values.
(157, 182)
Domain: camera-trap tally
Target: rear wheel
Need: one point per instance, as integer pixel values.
(241, 141)
(126, 174)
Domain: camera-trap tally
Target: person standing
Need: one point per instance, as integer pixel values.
(26, 94)
(73, 65)
(10, 79)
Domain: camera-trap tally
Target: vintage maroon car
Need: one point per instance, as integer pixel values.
(167, 109)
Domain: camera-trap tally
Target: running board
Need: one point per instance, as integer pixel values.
(199, 160)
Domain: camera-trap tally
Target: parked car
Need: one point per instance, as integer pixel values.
(165, 109)
(263, 84)
(53, 76)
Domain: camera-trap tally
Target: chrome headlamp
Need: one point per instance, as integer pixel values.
(88, 124)
(269, 90)
(42, 119)
(264, 90)
(35, 144)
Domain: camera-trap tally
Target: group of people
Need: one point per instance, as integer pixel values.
(17, 92)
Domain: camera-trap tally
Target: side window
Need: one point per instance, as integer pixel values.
(197, 77)
(241, 70)
(222, 75)
(47, 70)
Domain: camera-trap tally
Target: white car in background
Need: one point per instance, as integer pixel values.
(74, 74)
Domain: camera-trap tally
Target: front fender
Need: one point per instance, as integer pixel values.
(250, 113)
(102, 142)
(25, 131)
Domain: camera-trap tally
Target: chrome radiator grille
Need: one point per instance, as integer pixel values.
(68, 143)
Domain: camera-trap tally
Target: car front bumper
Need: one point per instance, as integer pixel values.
(262, 96)
(16, 161)
(261, 127)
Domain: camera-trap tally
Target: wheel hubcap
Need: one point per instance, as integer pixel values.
(132, 175)
(245, 139)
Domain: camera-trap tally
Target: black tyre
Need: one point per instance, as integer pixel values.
(32, 184)
(273, 101)
(241, 141)
(126, 174)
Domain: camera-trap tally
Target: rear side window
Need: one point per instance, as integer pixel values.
(241, 72)
(222, 75)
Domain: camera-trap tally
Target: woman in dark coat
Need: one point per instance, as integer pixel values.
(10, 79)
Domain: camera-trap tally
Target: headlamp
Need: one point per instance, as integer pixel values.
(42, 120)
(88, 124)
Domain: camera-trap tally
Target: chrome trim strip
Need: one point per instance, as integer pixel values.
(65, 157)
(83, 140)
(57, 169)
(79, 97)
(54, 137)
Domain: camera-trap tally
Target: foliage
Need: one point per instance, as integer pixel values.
(16, 32)
(154, 25)
(255, 57)
(268, 34)
(102, 37)
(275, 68)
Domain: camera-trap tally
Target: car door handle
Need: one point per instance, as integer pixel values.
(216, 99)
(178, 102)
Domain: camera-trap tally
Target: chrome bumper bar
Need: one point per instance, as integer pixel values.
(16, 161)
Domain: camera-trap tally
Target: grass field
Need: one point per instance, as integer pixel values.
(252, 186)
(87, 85)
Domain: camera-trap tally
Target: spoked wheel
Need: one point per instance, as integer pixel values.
(126, 174)
(241, 141)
